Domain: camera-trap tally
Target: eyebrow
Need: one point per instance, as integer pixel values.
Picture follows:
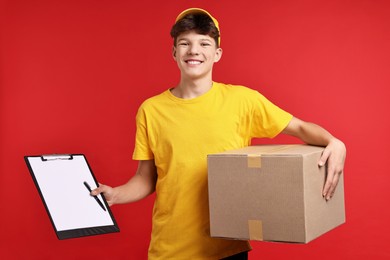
(187, 39)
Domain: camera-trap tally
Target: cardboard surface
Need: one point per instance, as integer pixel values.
(271, 193)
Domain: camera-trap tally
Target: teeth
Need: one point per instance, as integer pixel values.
(193, 62)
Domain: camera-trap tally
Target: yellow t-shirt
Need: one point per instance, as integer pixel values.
(179, 134)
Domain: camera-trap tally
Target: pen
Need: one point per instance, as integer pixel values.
(96, 198)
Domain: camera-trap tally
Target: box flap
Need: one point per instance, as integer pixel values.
(274, 150)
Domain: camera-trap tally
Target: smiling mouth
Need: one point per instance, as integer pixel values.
(194, 62)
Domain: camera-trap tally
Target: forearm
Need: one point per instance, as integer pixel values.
(309, 133)
(138, 187)
(135, 189)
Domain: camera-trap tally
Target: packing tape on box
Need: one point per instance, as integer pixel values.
(254, 161)
(255, 230)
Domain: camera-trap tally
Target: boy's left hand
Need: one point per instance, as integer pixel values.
(334, 155)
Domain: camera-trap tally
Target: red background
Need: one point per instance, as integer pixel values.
(73, 74)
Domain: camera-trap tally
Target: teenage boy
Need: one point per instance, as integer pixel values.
(177, 129)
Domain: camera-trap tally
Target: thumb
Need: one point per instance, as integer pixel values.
(100, 189)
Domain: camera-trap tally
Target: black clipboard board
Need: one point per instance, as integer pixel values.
(73, 212)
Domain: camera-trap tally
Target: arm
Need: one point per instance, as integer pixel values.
(334, 153)
(141, 185)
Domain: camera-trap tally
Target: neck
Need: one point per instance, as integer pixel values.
(188, 89)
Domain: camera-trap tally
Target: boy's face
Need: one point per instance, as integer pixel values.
(195, 54)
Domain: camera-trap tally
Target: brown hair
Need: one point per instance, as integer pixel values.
(198, 22)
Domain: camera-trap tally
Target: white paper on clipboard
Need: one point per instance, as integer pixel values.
(72, 210)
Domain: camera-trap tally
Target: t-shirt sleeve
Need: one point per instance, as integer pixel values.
(268, 120)
(142, 149)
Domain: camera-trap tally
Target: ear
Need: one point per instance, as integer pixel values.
(218, 55)
(174, 52)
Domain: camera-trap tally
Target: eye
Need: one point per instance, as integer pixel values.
(183, 44)
(205, 44)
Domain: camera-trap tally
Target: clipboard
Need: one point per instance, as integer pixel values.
(73, 212)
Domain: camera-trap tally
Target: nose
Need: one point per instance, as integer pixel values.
(193, 50)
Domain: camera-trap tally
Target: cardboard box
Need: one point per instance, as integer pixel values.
(271, 193)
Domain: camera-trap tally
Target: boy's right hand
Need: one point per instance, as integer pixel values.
(107, 191)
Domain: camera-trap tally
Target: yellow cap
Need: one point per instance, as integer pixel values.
(199, 10)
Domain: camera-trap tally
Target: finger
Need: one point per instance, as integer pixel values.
(327, 186)
(330, 174)
(106, 191)
(98, 190)
(331, 185)
(324, 157)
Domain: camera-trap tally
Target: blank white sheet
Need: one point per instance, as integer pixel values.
(67, 199)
